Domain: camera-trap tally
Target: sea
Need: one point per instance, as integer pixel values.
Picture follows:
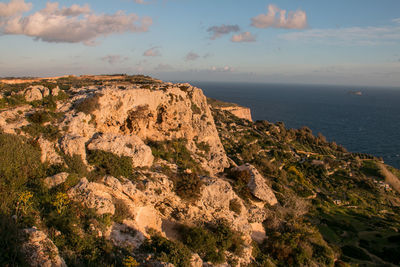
(362, 119)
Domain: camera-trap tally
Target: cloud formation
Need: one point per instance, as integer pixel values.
(218, 31)
(113, 59)
(276, 18)
(243, 37)
(72, 24)
(14, 7)
(191, 56)
(222, 69)
(152, 52)
(348, 36)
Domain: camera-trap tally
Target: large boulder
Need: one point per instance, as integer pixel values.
(36, 92)
(49, 153)
(258, 186)
(39, 250)
(124, 145)
(74, 145)
(94, 196)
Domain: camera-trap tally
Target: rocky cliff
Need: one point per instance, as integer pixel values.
(129, 170)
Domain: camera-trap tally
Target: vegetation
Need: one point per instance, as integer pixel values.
(111, 164)
(175, 151)
(212, 241)
(167, 251)
(89, 104)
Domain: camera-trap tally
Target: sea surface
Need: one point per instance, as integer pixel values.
(367, 123)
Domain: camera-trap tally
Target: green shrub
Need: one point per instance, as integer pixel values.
(175, 151)
(111, 164)
(89, 104)
(167, 251)
(19, 161)
(39, 117)
(187, 186)
(195, 109)
(241, 178)
(212, 242)
(75, 165)
(49, 132)
(121, 211)
(204, 147)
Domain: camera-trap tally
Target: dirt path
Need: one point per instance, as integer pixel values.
(390, 178)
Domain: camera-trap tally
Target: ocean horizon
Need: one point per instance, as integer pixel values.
(366, 123)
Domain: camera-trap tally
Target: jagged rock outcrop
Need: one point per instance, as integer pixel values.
(124, 145)
(49, 153)
(40, 251)
(258, 186)
(74, 145)
(38, 92)
(238, 111)
(170, 112)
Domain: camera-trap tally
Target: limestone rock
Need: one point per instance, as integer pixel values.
(160, 115)
(238, 111)
(49, 153)
(196, 261)
(40, 251)
(123, 145)
(258, 186)
(36, 92)
(74, 145)
(93, 195)
(55, 180)
(123, 235)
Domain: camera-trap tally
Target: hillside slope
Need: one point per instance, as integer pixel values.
(127, 170)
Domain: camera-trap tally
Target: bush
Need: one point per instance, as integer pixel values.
(167, 251)
(241, 179)
(89, 104)
(75, 165)
(49, 132)
(187, 186)
(175, 151)
(111, 164)
(212, 242)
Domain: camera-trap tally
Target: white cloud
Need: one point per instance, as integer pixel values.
(396, 20)
(348, 36)
(152, 52)
(191, 56)
(276, 18)
(243, 37)
(113, 59)
(222, 69)
(218, 31)
(71, 24)
(14, 7)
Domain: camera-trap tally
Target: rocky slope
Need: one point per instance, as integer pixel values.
(129, 170)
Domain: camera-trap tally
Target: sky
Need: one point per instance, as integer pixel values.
(341, 42)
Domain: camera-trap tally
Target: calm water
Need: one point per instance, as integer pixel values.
(369, 123)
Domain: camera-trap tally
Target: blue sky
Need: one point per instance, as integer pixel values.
(283, 41)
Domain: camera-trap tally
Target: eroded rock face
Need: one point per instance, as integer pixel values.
(173, 112)
(258, 186)
(240, 112)
(49, 153)
(124, 145)
(74, 145)
(40, 251)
